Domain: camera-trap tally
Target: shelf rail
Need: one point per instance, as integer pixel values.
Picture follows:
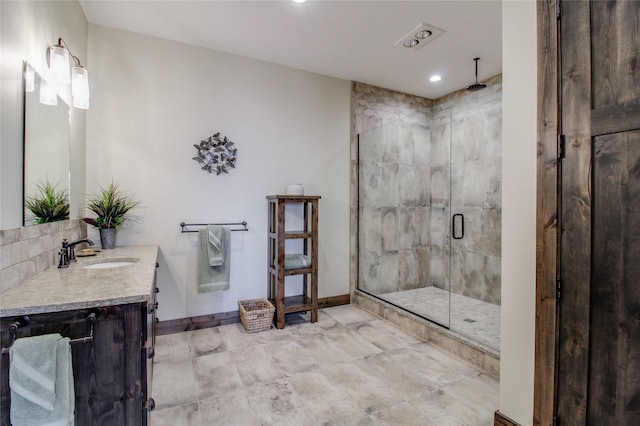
(185, 225)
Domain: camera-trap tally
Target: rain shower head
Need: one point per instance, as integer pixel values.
(476, 86)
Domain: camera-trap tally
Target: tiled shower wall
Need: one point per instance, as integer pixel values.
(407, 203)
(29, 250)
(394, 176)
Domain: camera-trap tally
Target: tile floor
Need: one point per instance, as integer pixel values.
(349, 368)
(471, 318)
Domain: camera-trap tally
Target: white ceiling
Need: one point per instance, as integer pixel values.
(352, 40)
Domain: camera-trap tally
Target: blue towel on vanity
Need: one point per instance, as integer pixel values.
(41, 381)
(214, 258)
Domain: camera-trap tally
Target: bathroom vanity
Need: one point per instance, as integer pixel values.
(106, 305)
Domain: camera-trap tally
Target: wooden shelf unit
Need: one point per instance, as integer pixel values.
(277, 235)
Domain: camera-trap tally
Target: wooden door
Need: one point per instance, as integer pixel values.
(598, 364)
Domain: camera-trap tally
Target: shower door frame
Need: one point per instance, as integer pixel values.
(448, 228)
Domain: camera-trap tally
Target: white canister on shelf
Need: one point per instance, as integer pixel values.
(295, 189)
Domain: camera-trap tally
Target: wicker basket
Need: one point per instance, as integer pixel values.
(256, 314)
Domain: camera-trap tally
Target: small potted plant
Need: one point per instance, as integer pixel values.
(50, 204)
(111, 207)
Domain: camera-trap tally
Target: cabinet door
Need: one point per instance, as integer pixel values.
(107, 372)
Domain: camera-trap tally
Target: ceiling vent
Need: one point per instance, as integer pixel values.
(419, 37)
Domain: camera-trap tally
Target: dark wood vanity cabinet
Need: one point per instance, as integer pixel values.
(112, 373)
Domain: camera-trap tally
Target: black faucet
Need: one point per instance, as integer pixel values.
(71, 255)
(64, 255)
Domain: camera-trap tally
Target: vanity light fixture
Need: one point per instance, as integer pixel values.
(58, 57)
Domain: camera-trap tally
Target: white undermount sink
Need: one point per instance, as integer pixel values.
(111, 263)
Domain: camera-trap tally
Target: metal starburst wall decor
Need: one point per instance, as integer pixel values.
(216, 154)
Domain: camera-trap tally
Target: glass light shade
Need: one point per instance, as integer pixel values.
(48, 95)
(80, 81)
(59, 64)
(29, 79)
(80, 87)
(81, 102)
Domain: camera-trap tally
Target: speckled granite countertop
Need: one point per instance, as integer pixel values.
(75, 287)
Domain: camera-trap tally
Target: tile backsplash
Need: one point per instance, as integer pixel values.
(29, 250)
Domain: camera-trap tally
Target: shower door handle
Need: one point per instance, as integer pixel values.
(458, 236)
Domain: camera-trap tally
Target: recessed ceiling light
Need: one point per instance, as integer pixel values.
(435, 78)
(419, 37)
(411, 43)
(299, 1)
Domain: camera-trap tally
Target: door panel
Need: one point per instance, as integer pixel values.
(598, 376)
(615, 299)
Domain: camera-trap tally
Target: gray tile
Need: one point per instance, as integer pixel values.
(255, 365)
(234, 336)
(367, 390)
(325, 401)
(322, 350)
(380, 337)
(432, 364)
(182, 415)
(478, 392)
(230, 410)
(442, 409)
(350, 368)
(351, 343)
(206, 341)
(346, 314)
(172, 347)
(278, 403)
(291, 357)
(401, 382)
(215, 375)
(173, 384)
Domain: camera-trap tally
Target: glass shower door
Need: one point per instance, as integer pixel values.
(404, 214)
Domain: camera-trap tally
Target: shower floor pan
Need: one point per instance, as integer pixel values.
(475, 319)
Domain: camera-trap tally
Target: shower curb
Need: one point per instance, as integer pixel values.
(481, 356)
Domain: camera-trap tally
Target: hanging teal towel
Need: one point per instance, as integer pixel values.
(41, 381)
(214, 258)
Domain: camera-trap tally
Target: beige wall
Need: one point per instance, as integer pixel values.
(26, 30)
(518, 209)
(153, 99)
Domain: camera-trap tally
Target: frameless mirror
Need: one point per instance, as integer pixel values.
(47, 137)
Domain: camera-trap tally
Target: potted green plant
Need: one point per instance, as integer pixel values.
(111, 207)
(50, 204)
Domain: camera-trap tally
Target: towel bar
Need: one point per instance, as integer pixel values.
(183, 225)
(24, 321)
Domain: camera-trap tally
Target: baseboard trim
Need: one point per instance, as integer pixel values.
(222, 318)
(328, 302)
(502, 420)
